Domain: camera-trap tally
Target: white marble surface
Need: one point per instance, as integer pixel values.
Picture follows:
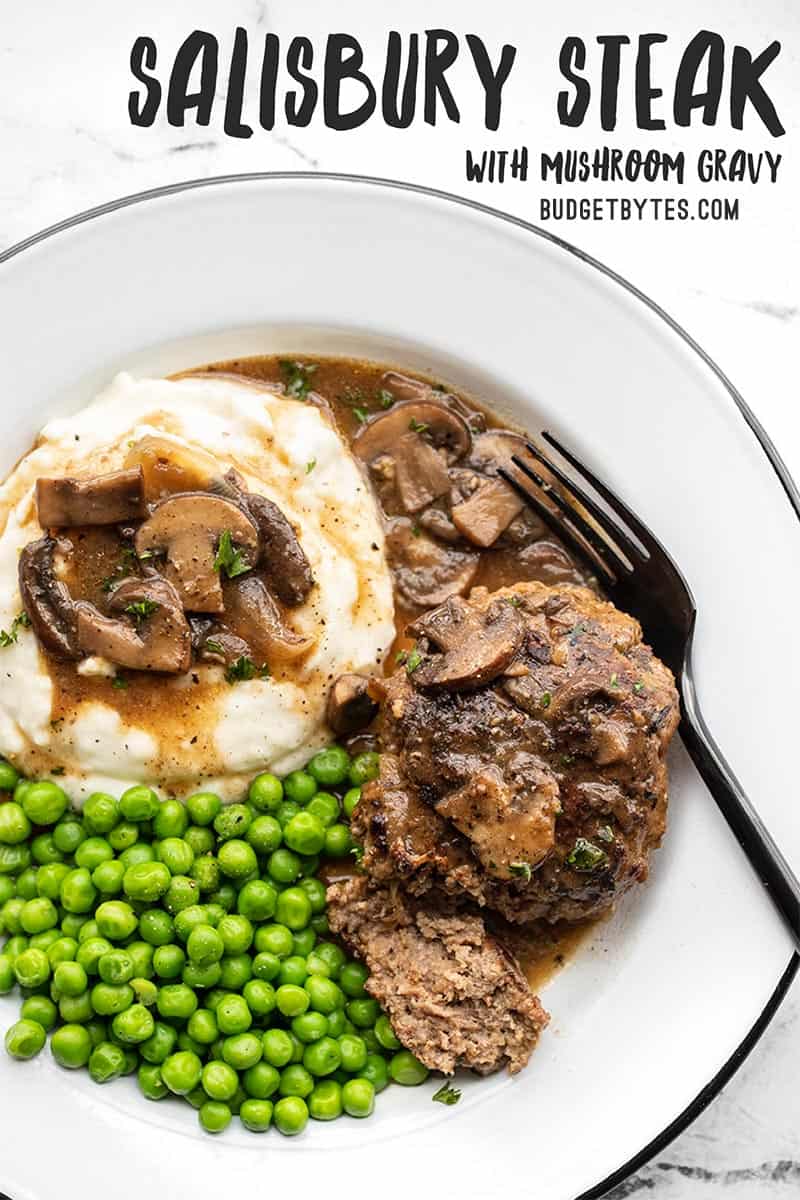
(67, 145)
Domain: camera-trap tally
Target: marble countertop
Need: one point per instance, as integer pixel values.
(67, 145)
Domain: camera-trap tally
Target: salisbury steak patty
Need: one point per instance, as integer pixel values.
(523, 766)
(454, 996)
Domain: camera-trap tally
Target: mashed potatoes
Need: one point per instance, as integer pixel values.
(196, 729)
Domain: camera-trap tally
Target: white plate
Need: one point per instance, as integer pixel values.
(650, 1020)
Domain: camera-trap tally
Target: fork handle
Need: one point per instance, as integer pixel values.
(749, 830)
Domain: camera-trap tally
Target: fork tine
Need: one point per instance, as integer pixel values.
(612, 529)
(560, 528)
(623, 512)
(601, 547)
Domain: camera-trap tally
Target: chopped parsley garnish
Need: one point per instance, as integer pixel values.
(297, 377)
(605, 833)
(358, 854)
(447, 1094)
(413, 661)
(416, 529)
(21, 621)
(615, 680)
(385, 398)
(545, 700)
(567, 760)
(244, 669)
(401, 657)
(228, 558)
(119, 682)
(514, 601)
(128, 563)
(585, 856)
(213, 646)
(417, 426)
(638, 687)
(521, 869)
(140, 610)
(360, 414)
(310, 465)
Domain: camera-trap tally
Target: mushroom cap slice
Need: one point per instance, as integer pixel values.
(425, 571)
(474, 646)
(152, 639)
(252, 614)
(281, 554)
(420, 472)
(169, 467)
(350, 707)
(46, 600)
(187, 529)
(100, 500)
(435, 422)
(487, 513)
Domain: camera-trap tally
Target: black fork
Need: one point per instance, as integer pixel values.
(640, 577)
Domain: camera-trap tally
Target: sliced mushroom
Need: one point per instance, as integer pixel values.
(437, 522)
(252, 614)
(494, 449)
(420, 473)
(187, 528)
(223, 647)
(403, 387)
(167, 467)
(350, 707)
(466, 647)
(100, 500)
(281, 554)
(432, 422)
(426, 572)
(46, 599)
(484, 515)
(142, 637)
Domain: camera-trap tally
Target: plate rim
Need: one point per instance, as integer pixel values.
(715, 1085)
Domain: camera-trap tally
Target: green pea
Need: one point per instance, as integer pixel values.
(329, 767)
(310, 1027)
(205, 872)
(88, 929)
(70, 979)
(407, 1070)
(141, 955)
(287, 810)
(181, 1072)
(106, 1062)
(38, 915)
(156, 927)
(176, 854)
(338, 1023)
(214, 1116)
(338, 842)
(201, 840)
(264, 835)
(363, 1013)
(26, 884)
(11, 913)
(182, 893)
(303, 941)
(123, 836)
(266, 967)
(350, 800)
(90, 952)
(293, 970)
(176, 1001)
(353, 1050)
(256, 1115)
(203, 1026)
(274, 939)
(322, 1057)
(333, 956)
(237, 859)
(236, 970)
(232, 822)
(40, 1009)
(260, 997)
(233, 1015)
(13, 858)
(171, 820)
(144, 990)
(325, 995)
(168, 961)
(299, 787)
(44, 850)
(261, 1080)
(71, 1046)
(15, 946)
(9, 777)
(14, 824)
(160, 1044)
(32, 968)
(108, 877)
(291, 1000)
(8, 890)
(25, 1039)
(296, 1080)
(293, 908)
(236, 932)
(44, 802)
(100, 812)
(45, 939)
(325, 808)
(298, 1049)
(92, 852)
(189, 918)
(116, 920)
(283, 866)
(78, 893)
(134, 1025)
(147, 881)
(358, 1097)
(305, 833)
(364, 767)
(266, 792)
(219, 1080)
(116, 966)
(277, 1047)
(257, 899)
(138, 804)
(8, 979)
(108, 999)
(242, 1050)
(140, 852)
(151, 1084)
(205, 945)
(290, 1115)
(325, 1102)
(386, 1035)
(62, 950)
(203, 807)
(207, 976)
